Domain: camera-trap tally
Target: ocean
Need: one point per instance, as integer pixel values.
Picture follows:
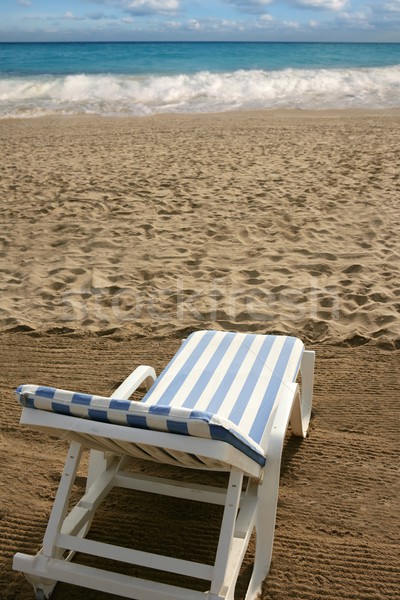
(39, 79)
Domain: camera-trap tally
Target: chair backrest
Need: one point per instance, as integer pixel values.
(235, 375)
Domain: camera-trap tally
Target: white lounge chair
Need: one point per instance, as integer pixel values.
(224, 402)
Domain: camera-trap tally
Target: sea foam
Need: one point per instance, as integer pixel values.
(200, 92)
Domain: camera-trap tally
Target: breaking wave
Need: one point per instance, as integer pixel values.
(200, 92)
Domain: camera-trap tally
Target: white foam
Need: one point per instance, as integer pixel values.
(200, 92)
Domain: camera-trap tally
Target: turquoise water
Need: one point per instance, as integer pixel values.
(148, 78)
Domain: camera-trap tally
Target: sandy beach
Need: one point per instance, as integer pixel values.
(259, 221)
(121, 235)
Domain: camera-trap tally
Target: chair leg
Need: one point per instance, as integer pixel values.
(265, 525)
(44, 587)
(307, 375)
(224, 567)
(60, 507)
(268, 493)
(301, 412)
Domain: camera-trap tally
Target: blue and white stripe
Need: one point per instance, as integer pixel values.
(237, 376)
(219, 385)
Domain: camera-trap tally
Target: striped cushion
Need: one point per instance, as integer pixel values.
(237, 376)
(219, 385)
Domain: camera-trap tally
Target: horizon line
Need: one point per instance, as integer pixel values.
(192, 42)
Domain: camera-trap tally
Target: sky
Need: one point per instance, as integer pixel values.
(200, 20)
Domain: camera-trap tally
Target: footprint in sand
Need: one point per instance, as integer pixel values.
(243, 235)
(354, 269)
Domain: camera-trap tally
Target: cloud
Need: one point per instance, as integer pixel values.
(24, 2)
(386, 17)
(250, 6)
(148, 7)
(266, 18)
(266, 22)
(98, 16)
(392, 7)
(70, 16)
(291, 24)
(321, 4)
(173, 24)
(355, 20)
(257, 6)
(143, 7)
(194, 24)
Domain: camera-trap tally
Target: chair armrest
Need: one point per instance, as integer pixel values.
(134, 380)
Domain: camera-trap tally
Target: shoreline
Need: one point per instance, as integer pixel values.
(273, 112)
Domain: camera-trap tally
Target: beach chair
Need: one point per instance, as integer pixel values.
(223, 403)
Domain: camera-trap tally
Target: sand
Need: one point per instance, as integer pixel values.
(119, 236)
(283, 221)
(338, 524)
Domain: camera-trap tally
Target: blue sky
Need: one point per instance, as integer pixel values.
(258, 20)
